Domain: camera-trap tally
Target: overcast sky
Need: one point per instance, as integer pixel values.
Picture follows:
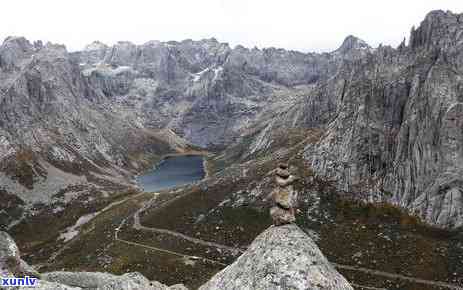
(293, 24)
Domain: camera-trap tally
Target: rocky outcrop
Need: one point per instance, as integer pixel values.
(57, 132)
(204, 90)
(389, 122)
(10, 260)
(282, 257)
(352, 44)
(99, 281)
(59, 111)
(390, 117)
(396, 134)
(11, 265)
(105, 281)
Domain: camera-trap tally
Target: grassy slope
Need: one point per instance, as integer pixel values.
(386, 238)
(380, 237)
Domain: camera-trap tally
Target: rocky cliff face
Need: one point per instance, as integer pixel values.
(10, 260)
(60, 135)
(75, 124)
(390, 118)
(390, 122)
(396, 131)
(203, 90)
(282, 257)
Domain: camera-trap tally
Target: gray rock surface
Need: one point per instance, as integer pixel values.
(59, 135)
(9, 253)
(11, 265)
(284, 197)
(10, 259)
(80, 279)
(76, 123)
(390, 117)
(390, 122)
(204, 90)
(396, 134)
(106, 281)
(45, 285)
(282, 257)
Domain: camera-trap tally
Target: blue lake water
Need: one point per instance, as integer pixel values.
(172, 172)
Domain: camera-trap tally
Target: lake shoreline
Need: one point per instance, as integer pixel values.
(203, 165)
(204, 154)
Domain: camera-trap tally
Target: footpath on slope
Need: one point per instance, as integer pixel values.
(138, 226)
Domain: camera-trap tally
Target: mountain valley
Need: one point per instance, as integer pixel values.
(375, 136)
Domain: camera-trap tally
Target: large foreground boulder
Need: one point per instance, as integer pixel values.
(10, 260)
(282, 257)
(106, 281)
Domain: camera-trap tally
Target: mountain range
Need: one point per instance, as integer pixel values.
(382, 127)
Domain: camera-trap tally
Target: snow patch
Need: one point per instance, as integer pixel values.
(96, 45)
(121, 69)
(104, 69)
(197, 76)
(73, 231)
(45, 188)
(217, 72)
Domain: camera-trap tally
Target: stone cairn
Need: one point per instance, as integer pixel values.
(284, 197)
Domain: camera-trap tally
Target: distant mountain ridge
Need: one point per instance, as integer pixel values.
(90, 119)
(390, 123)
(75, 123)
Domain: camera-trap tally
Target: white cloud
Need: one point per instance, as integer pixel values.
(293, 24)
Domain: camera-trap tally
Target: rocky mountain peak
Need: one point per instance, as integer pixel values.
(14, 49)
(282, 257)
(441, 16)
(351, 43)
(122, 53)
(438, 29)
(18, 42)
(211, 40)
(96, 45)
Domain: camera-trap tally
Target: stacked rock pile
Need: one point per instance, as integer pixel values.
(284, 197)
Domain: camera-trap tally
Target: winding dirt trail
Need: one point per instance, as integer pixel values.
(181, 255)
(365, 287)
(397, 276)
(138, 226)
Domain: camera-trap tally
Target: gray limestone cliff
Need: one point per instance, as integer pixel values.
(390, 121)
(82, 124)
(396, 131)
